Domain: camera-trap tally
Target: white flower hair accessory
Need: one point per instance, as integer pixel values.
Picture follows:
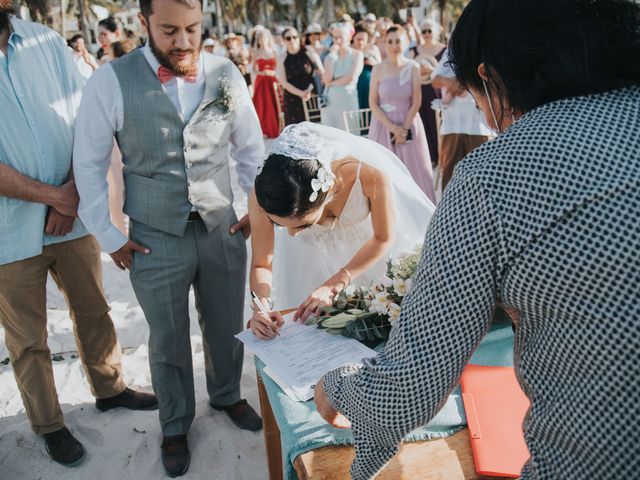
(322, 182)
(300, 142)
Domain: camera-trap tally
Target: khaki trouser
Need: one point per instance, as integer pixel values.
(75, 267)
(455, 146)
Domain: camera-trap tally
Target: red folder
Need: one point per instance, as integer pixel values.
(495, 406)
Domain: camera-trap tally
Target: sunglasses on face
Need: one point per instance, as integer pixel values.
(426, 30)
(292, 37)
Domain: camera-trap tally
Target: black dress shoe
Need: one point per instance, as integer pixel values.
(175, 455)
(128, 399)
(64, 448)
(242, 414)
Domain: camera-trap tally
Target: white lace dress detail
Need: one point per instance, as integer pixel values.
(327, 248)
(304, 262)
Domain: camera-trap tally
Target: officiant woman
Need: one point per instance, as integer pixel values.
(543, 220)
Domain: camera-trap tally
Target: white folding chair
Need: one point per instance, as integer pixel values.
(312, 109)
(357, 121)
(277, 88)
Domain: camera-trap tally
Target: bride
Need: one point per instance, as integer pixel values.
(327, 211)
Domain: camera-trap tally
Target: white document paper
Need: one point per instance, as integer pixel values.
(302, 354)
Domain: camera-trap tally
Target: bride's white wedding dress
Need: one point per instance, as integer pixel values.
(304, 262)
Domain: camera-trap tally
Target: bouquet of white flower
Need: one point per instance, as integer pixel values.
(368, 314)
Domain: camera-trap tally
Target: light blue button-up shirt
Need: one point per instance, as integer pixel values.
(40, 88)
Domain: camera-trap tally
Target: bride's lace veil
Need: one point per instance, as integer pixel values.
(308, 140)
(413, 210)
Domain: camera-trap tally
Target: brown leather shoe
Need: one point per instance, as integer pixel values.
(242, 414)
(128, 399)
(175, 455)
(64, 448)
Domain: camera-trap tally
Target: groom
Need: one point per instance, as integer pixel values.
(175, 113)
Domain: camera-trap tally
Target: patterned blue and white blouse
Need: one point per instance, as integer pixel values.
(545, 219)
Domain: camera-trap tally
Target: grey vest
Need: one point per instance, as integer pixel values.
(170, 166)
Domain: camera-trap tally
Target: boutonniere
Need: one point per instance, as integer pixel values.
(229, 98)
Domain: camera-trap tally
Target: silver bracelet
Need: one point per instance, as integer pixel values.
(343, 269)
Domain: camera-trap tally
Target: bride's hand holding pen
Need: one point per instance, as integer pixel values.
(264, 324)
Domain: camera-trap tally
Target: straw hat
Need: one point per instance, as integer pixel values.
(313, 28)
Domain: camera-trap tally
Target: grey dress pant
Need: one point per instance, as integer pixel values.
(215, 264)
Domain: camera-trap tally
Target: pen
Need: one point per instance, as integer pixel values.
(263, 310)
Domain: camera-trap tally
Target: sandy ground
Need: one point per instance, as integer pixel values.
(122, 444)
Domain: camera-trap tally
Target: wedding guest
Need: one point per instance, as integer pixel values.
(346, 205)
(279, 43)
(395, 99)
(294, 71)
(428, 53)
(238, 54)
(370, 24)
(342, 67)
(131, 37)
(108, 32)
(209, 45)
(382, 25)
(558, 248)
(183, 229)
(84, 60)
(264, 96)
(463, 128)
(413, 31)
(120, 48)
(371, 57)
(312, 37)
(40, 235)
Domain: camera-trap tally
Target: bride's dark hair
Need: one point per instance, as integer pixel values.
(283, 187)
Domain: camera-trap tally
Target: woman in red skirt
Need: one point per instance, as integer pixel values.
(264, 97)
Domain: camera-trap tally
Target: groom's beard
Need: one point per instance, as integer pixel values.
(188, 66)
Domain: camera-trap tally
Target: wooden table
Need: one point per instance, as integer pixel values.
(446, 458)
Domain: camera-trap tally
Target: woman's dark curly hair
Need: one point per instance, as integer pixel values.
(283, 187)
(110, 23)
(539, 51)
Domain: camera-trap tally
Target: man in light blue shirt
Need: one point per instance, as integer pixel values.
(40, 90)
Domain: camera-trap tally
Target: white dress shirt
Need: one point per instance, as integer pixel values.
(101, 115)
(460, 115)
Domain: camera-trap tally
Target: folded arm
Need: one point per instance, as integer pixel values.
(14, 184)
(281, 75)
(356, 69)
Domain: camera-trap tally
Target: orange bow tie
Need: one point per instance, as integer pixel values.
(165, 75)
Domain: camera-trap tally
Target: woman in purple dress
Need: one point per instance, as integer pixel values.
(395, 99)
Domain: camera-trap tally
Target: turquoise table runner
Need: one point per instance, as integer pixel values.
(302, 429)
